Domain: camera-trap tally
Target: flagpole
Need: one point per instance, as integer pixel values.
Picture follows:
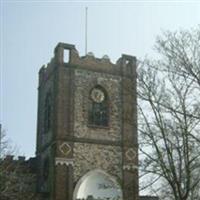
(86, 24)
(0, 141)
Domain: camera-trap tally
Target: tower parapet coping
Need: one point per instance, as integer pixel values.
(67, 55)
(88, 59)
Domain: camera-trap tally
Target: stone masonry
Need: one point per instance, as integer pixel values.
(72, 146)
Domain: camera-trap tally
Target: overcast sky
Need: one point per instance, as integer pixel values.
(31, 29)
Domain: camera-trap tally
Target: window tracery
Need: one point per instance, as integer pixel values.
(98, 107)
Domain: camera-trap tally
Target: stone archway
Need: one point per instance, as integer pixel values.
(97, 184)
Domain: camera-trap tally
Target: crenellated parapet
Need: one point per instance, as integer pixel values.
(20, 163)
(66, 55)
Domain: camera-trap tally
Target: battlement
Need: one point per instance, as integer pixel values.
(11, 158)
(20, 163)
(66, 55)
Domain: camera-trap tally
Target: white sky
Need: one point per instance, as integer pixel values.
(31, 29)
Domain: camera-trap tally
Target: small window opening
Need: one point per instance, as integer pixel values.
(129, 66)
(66, 55)
(127, 62)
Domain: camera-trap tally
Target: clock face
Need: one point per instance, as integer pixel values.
(97, 95)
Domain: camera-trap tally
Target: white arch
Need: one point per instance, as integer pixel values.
(94, 172)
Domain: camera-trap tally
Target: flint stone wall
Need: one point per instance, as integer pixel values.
(84, 82)
(90, 156)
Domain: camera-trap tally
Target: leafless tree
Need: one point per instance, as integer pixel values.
(169, 120)
(180, 52)
(16, 179)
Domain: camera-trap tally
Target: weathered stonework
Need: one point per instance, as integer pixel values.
(75, 146)
(84, 82)
(89, 157)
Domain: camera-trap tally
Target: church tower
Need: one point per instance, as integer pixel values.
(87, 126)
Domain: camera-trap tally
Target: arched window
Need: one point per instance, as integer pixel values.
(48, 113)
(98, 107)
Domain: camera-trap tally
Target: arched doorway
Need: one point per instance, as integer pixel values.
(97, 185)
